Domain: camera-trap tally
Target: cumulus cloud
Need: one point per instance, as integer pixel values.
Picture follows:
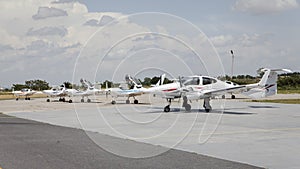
(64, 1)
(264, 6)
(48, 31)
(5, 47)
(46, 12)
(103, 21)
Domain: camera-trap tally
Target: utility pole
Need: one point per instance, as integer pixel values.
(232, 61)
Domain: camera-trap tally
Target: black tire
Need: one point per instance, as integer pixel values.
(127, 101)
(188, 107)
(82, 100)
(70, 101)
(88, 100)
(167, 109)
(207, 110)
(17, 99)
(223, 96)
(63, 99)
(113, 102)
(232, 96)
(136, 102)
(28, 98)
(60, 99)
(48, 100)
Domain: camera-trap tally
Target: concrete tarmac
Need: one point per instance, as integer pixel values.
(259, 134)
(35, 145)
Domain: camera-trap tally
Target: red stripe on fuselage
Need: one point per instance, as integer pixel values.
(169, 90)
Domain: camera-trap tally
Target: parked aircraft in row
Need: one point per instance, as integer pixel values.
(56, 92)
(90, 91)
(23, 92)
(135, 89)
(205, 87)
(188, 88)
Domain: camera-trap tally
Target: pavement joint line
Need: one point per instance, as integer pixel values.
(242, 132)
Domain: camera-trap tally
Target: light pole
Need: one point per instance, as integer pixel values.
(232, 61)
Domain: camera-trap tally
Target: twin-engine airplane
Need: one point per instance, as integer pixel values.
(24, 92)
(56, 92)
(205, 87)
(135, 89)
(91, 90)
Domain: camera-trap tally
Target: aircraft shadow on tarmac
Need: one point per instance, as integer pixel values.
(264, 107)
(216, 111)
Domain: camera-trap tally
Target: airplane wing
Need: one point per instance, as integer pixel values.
(223, 91)
(194, 94)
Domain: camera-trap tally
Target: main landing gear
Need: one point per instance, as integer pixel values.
(206, 104)
(167, 108)
(62, 99)
(88, 100)
(26, 98)
(185, 104)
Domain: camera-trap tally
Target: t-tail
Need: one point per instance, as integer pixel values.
(267, 86)
(88, 84)
(160, 81)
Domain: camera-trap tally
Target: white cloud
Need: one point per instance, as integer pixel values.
(222, 40)
(47, 12)
(105, 19)
(48, 31)
(264, 6)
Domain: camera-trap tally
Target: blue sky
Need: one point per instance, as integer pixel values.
(44, 38)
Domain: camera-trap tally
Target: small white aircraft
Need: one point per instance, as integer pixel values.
(205, 87)
(91, 90)
(23, 92)
(135, 89)
(56, 92)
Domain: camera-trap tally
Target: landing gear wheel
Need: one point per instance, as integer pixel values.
(82, 100)
(232, 96)
(113, 102)
(136, 102)
(28, 98)
(17, 99)
(70, 101)
(48, 100)
(167, 109)
(88, 100)
(188, 107)
(127, 101)
(207, 110)
(63, 99)
(60, 99)
(223, 96)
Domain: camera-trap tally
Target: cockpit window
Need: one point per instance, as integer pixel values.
(206, 80)
(191, 81)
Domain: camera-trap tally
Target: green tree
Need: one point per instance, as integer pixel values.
(19, 86)
(109, 84)
(37, 84)
(68, 85)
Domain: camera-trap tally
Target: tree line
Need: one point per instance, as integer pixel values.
(286, 81)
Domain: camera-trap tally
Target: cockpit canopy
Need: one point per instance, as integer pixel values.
(197, 80)
(25, 90)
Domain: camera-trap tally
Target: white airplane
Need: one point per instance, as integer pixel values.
(23, 92)
(205, 87)
(91, 90)
(56, 92)
(135, 89)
